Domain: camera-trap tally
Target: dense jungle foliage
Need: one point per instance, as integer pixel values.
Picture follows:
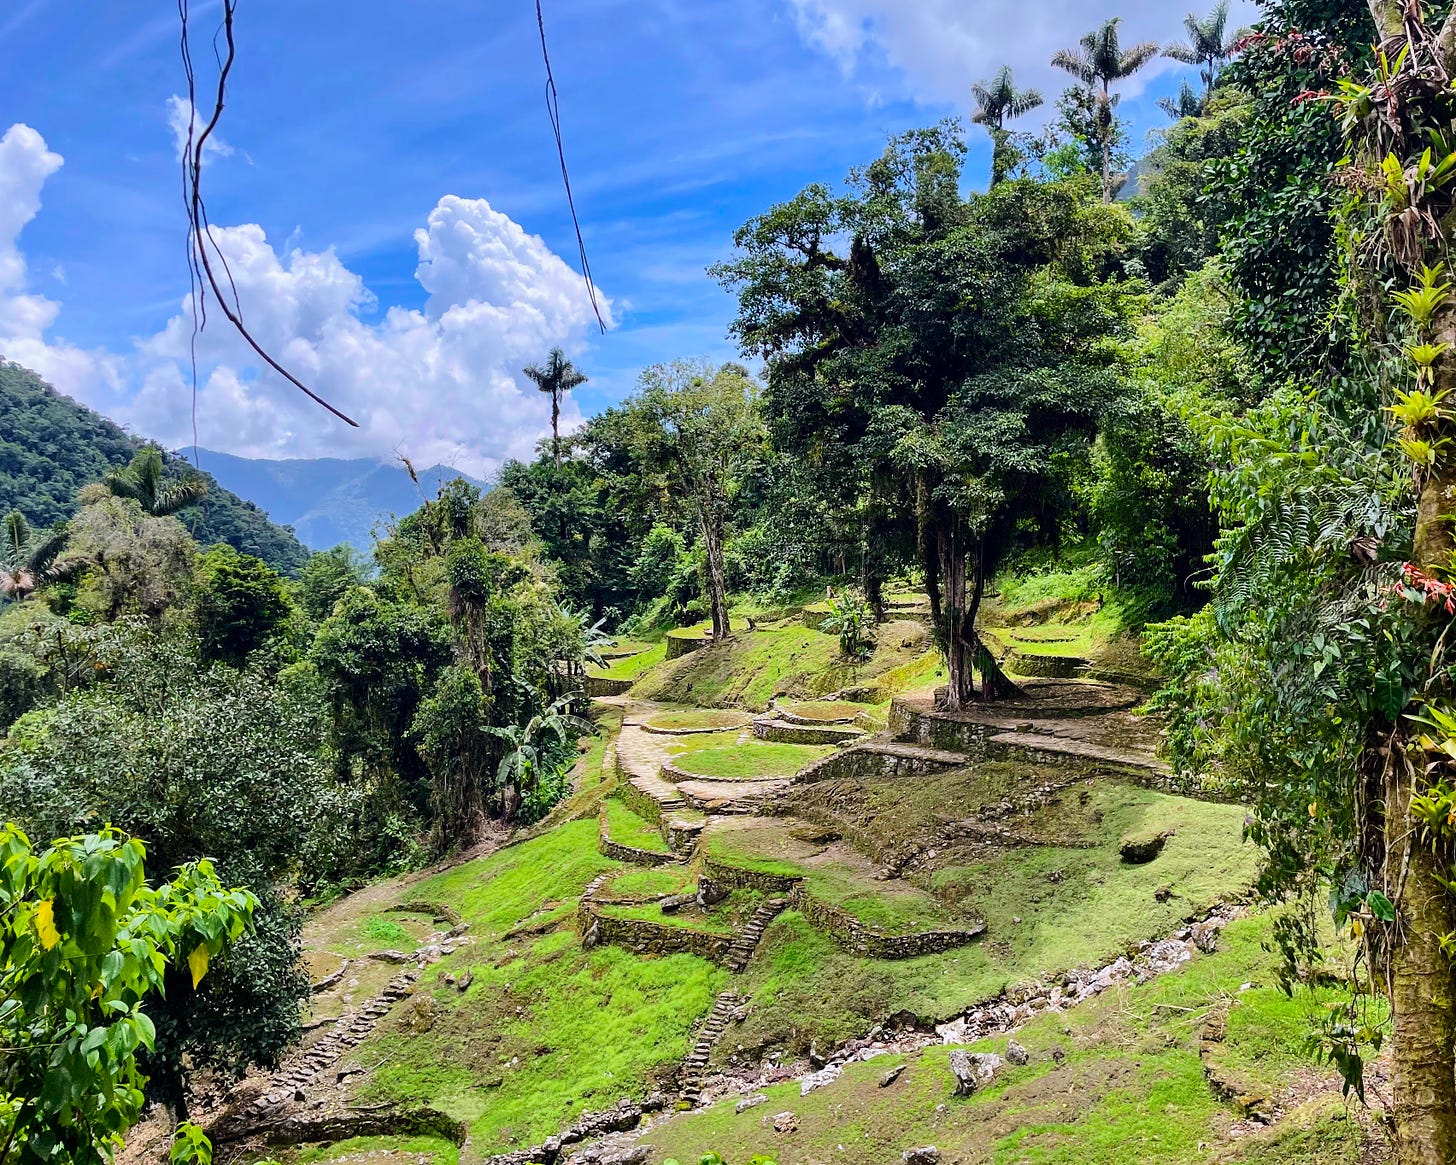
(1218, 403)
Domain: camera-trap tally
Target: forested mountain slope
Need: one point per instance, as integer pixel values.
(329, 500)
(51, 446)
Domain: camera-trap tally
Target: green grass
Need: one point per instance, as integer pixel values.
(653, 882)
(823, 709)
(627, 828)
(633, 665)
(749, 760)
(1076, 904)
(385, 930)
(700, 719)
(1130, 1088)
(362, 1150)
(546, 1030)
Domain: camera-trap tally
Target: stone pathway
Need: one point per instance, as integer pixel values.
(734, 798)
(747, 942)
(290, 1084)
(695, 1067)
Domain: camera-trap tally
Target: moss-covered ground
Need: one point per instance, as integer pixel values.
(545, 1030)
(749, 760)
(625, 827)
(1115, 1081)
(700, 720)
(629, 667)
(366, 1151)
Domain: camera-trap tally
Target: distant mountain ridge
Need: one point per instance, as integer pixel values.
(51, 446)
(329, 500)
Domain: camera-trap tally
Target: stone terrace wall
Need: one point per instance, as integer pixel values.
(641, 803)
(736, 878)
(681, 645)
(652, 938)
(605, 686)
(630, 854)
(913, 726)
(787, 732)
(867, 761)
(859, 939)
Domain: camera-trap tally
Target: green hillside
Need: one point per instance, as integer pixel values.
(51, 446)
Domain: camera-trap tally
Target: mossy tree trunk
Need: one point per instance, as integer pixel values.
(1422, 995)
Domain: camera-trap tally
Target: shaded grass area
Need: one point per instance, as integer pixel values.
(366, 1151)
(1129, 1087)
(546, 1030)
(754, 667)
(699, 719)
(626, 828)
(749, 759)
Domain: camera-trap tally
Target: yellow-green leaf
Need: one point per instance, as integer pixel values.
(197, 961)
(45, 924)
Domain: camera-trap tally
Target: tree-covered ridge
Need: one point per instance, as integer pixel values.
(51, 447)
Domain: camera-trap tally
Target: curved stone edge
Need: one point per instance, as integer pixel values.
(630, 854)
(651, 730)
(299, 1130)
(675, 775)
(1051, 667)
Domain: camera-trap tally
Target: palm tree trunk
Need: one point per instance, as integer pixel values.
(556, 426)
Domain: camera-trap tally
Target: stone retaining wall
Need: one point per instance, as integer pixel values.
(813, 620)
(651, 938)
(642, 804)
(606, 686)
(1050, 667)
(785, 732)
(736, 878)
(630, 854)
(914, 726)
(387, 1122)
(855, 762)
(681, 645)
(857, 938)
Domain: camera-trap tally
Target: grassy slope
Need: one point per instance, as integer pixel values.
(546, 1030)
(788, 660)
(627, 828)
(1047, 911)
(1130, 1088)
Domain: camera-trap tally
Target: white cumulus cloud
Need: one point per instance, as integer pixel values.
(941, 46)
(439, 384)
(185, 125)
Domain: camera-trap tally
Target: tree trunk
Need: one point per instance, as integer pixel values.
(711, 523)
(1421, 993)
(556, 428)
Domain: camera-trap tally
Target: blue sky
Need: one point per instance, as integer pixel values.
(351, 124)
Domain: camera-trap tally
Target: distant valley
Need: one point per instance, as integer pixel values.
(328, 500)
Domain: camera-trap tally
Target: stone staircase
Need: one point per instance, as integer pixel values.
(302, 1071)
(747, 942)
(695, 1067)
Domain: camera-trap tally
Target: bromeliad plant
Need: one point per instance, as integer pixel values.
(1421, 410)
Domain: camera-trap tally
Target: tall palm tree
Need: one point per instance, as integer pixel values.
(142, 482)
(557, 376)
(1098, 62)
(1188, 103)
(1209, 44)
(998, 100)
(27, 556)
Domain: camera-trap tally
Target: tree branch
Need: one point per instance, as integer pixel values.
(1446, 41)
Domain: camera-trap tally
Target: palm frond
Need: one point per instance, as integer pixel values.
(1076, 62)
(1133, 59)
